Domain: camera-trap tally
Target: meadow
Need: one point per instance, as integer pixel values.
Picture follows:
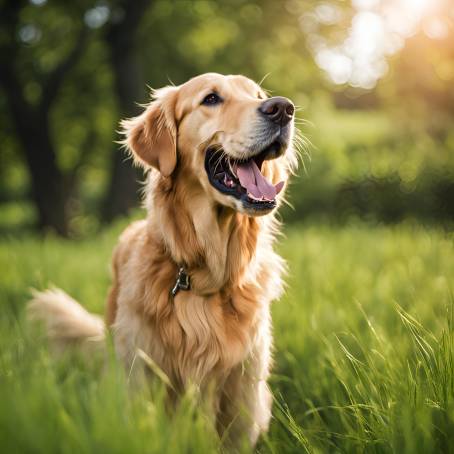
(364, 333)
(364, 350)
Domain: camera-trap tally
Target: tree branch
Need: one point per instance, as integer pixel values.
(9, 13)
(9, 18)
(122, 34)
(55, 79)
(20, 109)
(9, 48)
(86, 149)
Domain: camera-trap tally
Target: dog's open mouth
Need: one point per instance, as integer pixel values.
(243, 179)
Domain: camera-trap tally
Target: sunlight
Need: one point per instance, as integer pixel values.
(377, 30)
(418, 7)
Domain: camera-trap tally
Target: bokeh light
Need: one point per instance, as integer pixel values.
(377, 30)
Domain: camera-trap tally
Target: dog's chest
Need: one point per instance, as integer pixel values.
(204, 334)
(194, 338)
(191, 337)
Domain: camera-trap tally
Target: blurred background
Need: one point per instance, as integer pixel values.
(374, 81)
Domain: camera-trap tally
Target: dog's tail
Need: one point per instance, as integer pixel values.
(65, 320)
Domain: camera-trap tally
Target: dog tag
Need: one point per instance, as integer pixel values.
(182, 282)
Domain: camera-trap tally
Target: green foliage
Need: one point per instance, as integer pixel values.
(366, 167)
(386, 153)
(363, 351)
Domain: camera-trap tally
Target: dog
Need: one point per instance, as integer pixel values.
(193, 282)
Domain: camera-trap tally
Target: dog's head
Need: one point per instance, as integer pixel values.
(222, 132)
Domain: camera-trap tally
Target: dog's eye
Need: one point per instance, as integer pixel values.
(212, 99)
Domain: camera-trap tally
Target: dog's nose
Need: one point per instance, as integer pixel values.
(278, 109)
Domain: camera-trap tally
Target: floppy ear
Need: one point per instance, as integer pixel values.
(152, 136)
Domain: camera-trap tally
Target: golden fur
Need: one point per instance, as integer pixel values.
(216, 336)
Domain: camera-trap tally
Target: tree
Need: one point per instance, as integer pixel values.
(121, 37)
(31, 120)
(52, 186)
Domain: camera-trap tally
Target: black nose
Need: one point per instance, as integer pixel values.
(278, 109)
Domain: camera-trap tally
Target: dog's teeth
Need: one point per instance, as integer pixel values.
(228, 181)
(254, 199)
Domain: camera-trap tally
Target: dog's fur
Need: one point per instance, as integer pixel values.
(217, 335)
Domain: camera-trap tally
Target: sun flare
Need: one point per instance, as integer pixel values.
(418, 7)
(378, 29)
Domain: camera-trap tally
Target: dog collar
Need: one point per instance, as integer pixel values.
(182, 282)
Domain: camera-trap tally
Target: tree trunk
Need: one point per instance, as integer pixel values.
(123, 190)
(47, 182)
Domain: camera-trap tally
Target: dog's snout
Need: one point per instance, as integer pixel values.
(278, 109)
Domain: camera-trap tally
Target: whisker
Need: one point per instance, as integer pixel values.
(303, 121)
(219, 160)
(230, 166)
(263, 79)
(302, 145)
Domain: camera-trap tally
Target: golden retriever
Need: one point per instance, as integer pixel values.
(193, 282)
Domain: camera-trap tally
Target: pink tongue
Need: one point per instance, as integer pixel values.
(255, 183)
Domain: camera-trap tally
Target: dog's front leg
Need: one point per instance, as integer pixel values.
(245, 407)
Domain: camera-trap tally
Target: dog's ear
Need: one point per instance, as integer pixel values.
(152, 136)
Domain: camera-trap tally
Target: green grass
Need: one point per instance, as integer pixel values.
(363, 351)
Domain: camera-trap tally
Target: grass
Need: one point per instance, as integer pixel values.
(363, 351)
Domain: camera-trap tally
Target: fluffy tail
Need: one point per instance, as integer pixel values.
(66, 321)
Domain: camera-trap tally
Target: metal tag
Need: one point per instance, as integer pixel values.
(182, 282)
